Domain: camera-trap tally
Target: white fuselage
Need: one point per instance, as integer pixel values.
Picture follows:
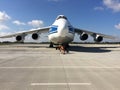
(61, 32)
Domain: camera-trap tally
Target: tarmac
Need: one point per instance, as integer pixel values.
(37, 67)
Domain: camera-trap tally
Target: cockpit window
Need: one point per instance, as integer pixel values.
(61, 16)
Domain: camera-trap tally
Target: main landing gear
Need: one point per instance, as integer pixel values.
(51, 45)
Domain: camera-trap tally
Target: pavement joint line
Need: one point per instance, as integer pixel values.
(59, 84)
(60, 67)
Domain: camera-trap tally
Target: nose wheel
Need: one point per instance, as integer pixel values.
(63, 48)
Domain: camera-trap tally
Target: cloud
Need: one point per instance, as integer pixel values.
(117, 26)
(112, 4)
(36, 23)
(4, 33)
(18, 22)
(2, 27)
(99, 8)
(4, 16)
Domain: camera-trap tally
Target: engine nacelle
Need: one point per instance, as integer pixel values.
(35, 36)
(98, 38)
(19, 38)
(83, 36)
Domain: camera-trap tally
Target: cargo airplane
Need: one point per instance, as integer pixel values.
(61, 32)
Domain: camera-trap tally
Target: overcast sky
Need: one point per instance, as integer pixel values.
(101, 16)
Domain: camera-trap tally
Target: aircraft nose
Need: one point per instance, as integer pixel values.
(64, 31)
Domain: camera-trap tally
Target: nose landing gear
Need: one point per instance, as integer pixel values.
(63, 48)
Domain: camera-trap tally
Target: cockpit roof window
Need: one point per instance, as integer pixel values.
(59, 17)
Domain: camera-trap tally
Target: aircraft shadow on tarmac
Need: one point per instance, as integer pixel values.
(80, 48)
(90, 49)
(32, 46)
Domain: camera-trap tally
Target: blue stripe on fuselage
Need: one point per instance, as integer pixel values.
(53, 29)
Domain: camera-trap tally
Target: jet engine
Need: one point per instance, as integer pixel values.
(35, 36)
(83, 36)
(98, 38)
(20, 38)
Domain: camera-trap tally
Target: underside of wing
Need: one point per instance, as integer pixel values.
(98, 37)
(20, 36)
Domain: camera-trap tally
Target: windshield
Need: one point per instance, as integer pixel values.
(61, 16)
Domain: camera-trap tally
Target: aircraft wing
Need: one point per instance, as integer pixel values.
(80, 31)
(39, 30)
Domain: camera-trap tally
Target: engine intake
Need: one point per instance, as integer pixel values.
(83, 36)
(98, 38)
(35, 36)
(19, 38)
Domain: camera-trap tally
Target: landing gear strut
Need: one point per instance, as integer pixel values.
(51, 45)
